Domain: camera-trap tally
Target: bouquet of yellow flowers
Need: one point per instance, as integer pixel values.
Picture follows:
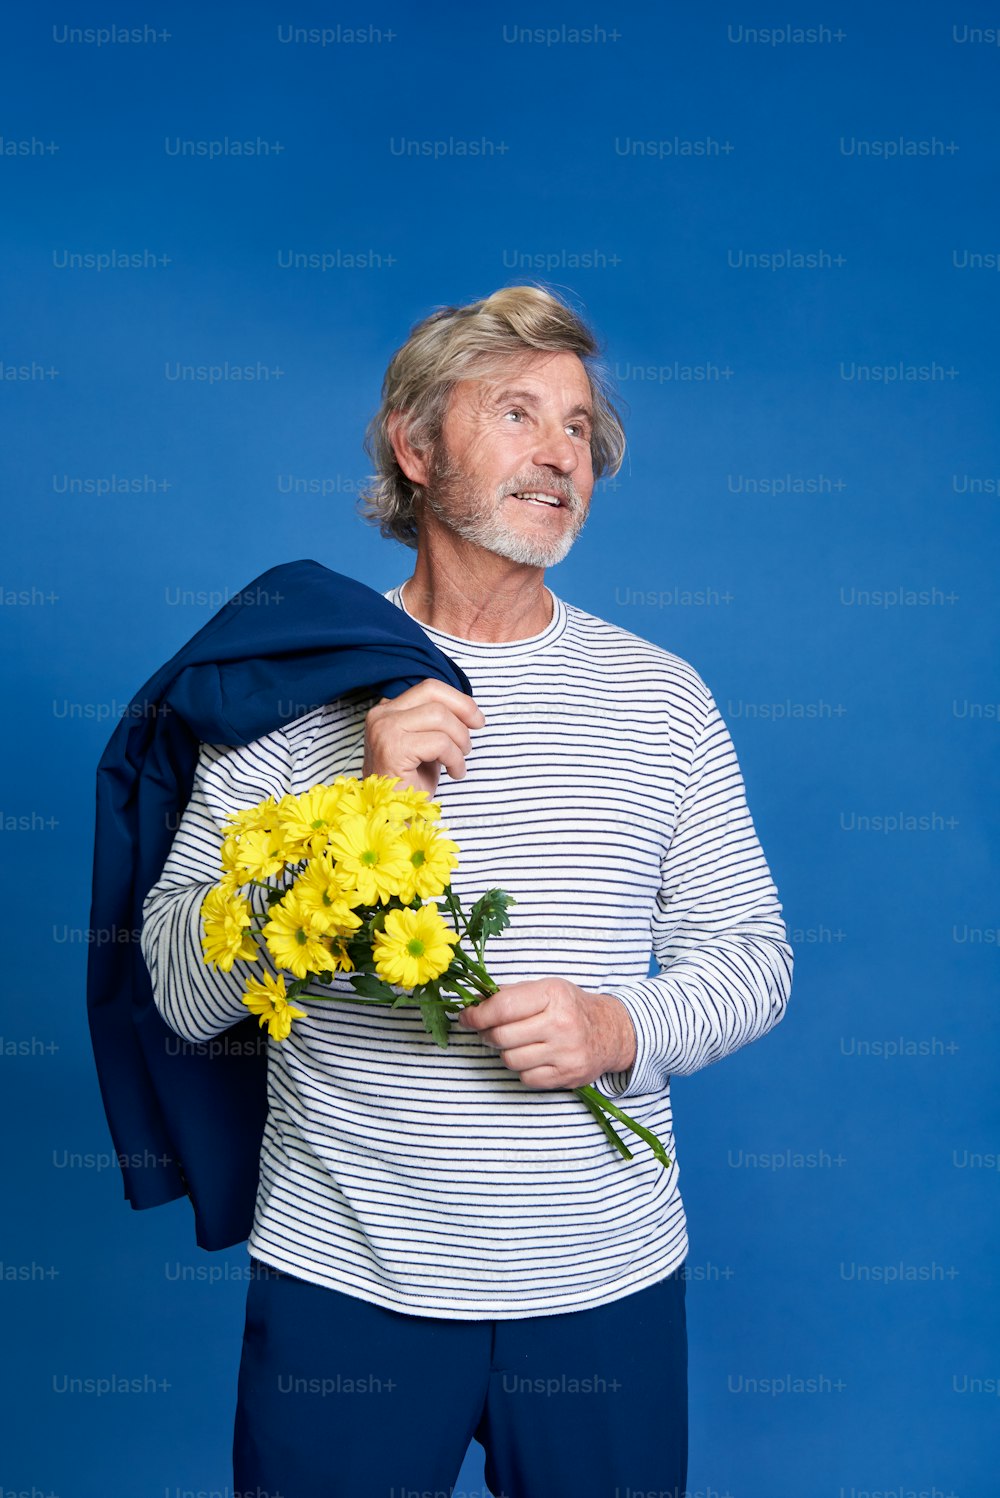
(353, 873)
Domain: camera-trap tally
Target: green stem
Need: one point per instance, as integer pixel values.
(454, 904)
(474, 969)
(591, 1096)
(472, 974)
(481, 973)
(599, 1114)
(452, 982)
(340, 998)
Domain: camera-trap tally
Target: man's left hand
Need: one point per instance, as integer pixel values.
(553, 1033)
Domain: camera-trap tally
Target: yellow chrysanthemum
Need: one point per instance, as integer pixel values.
(267, 998)
(261, 817)
(373, 793)
(322, 887)
(384, 793)
(229, 857)
(342, 962)
(416, 805)
(259, 854)
(371, 854)
(414, 947)
(307, 819)
(431, 859)
(294, 936)
(226, 940)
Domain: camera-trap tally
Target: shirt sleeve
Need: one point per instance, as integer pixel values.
(717, 929)
(198, 1001)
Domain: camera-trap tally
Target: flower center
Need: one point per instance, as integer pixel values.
(369, 857)
(418, 857)
(415, 947)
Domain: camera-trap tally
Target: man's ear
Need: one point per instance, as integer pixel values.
(412, 460)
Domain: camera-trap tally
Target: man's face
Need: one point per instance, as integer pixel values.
(527, 431)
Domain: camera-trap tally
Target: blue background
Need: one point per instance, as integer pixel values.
(886, 1163)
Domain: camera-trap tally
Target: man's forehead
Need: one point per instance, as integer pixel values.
(529, 377)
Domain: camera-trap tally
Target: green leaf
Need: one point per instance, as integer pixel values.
(489, 915)
(273, 896)
(436, 1021)
(371, 987)
(409, 997)
(360, 952)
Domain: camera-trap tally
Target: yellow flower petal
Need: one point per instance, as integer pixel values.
(431, 858)
(306, 820)
(414, 946)
(371, 854)
(226, 939)
(257, 818)
(294, 935)
(267, 998)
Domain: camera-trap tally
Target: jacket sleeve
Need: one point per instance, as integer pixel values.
(198, 1001)
(717, 929)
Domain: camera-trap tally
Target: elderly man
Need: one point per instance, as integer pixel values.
(444, 1245)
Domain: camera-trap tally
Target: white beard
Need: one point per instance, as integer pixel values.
(477, 514)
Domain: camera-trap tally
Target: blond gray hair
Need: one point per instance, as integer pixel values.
(475, 341)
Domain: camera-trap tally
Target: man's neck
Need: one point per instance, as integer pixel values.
(474, 608)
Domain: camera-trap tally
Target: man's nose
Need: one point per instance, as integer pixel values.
(555, 449)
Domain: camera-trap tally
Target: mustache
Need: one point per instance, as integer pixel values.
(445, 471)
(565, 488)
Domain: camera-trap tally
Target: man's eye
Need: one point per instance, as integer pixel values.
(514, 411)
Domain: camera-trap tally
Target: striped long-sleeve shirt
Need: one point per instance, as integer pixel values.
(604, 794)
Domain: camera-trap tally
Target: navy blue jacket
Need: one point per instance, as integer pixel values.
(187, 1118)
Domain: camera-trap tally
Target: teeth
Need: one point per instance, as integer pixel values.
(545, 499)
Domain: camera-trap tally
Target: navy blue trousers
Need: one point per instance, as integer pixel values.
(339, 1398)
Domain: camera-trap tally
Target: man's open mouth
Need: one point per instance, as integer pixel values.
(536, 497)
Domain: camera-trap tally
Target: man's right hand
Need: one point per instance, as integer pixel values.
(414, 734)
